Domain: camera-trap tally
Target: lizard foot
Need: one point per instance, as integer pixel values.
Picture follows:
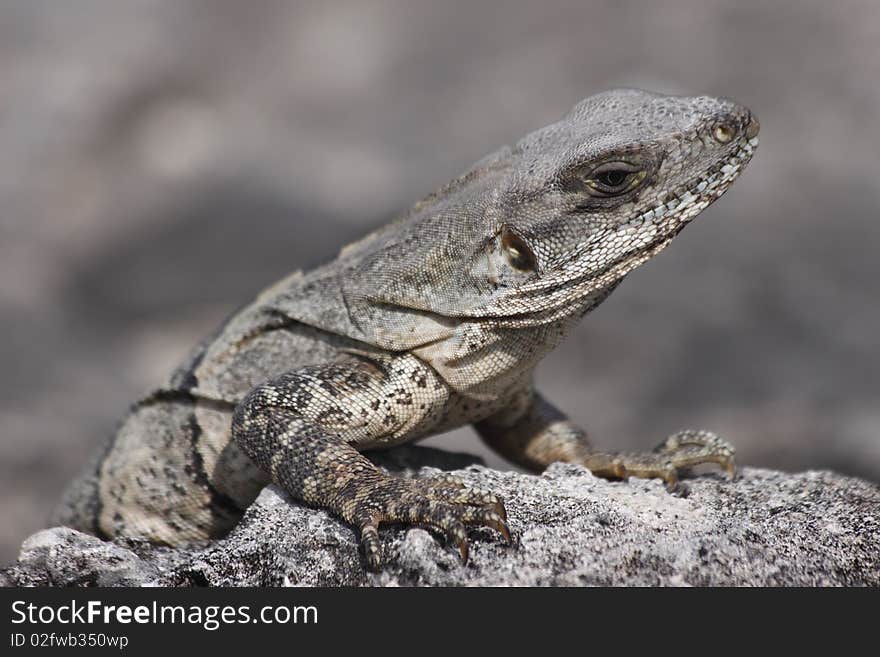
(679, 451)
(442, 503)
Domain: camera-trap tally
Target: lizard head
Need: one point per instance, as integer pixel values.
(586, 200)
(534, 235)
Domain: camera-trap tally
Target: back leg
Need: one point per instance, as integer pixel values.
(171, 475)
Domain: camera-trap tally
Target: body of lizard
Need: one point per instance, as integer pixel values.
(434, 321)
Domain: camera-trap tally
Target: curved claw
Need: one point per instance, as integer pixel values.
(464, 551)
(672, 482)
(730, 469)
(502, 528)
(493, 520)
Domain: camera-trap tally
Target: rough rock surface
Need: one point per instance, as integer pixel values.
(570, 528)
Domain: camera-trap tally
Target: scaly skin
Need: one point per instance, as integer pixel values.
(434, 321)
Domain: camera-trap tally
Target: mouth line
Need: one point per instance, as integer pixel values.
(699, 193)
(696, 195)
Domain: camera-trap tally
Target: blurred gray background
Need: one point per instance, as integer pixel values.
(162, 161)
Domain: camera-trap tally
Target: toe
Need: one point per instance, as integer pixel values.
(372, 546)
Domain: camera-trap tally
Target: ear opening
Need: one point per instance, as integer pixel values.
(517, 250)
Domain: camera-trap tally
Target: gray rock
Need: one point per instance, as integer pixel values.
(570, 528)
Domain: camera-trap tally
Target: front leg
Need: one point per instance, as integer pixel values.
(305, 428)
(534, 434)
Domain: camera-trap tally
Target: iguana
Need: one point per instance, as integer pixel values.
(434, 321)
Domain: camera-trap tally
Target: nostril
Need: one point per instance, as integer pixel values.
(753, 128)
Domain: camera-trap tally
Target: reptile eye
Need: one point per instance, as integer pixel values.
(519, 254)
(723, 133)
(614, 178)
